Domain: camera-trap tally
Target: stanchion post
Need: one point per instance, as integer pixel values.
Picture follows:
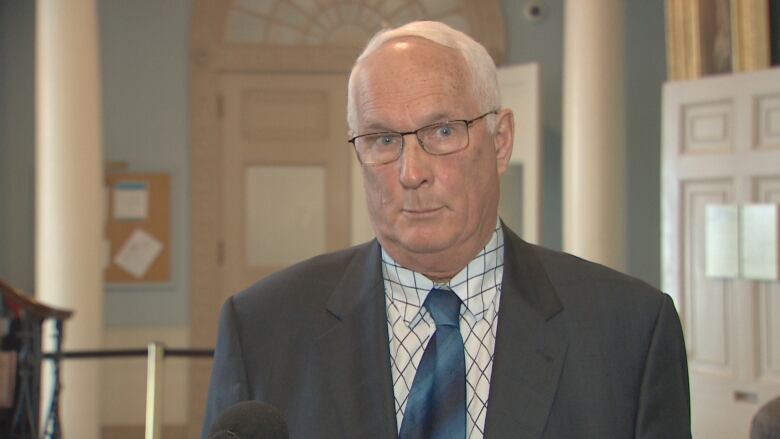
(155, 369)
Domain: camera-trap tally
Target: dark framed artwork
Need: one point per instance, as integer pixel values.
(711, 37)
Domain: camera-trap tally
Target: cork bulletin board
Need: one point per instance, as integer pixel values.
(137, 244)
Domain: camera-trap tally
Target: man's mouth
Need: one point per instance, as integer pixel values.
(421, 211)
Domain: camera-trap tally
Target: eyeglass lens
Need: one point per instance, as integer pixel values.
(437, 139)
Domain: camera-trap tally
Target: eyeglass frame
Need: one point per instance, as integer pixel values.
(403, 135)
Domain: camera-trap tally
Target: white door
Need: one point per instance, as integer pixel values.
(721, 145)
(286, 173)
(521, 186)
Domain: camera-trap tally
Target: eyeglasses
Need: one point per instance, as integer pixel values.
(436, 139)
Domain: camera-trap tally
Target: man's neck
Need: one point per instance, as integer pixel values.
(441, 266)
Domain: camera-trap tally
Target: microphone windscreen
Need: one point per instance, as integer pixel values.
(249, 420)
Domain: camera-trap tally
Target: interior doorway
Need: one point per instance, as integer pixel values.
(285, 193)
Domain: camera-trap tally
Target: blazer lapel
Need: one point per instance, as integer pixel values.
(353, 356)
(530, 349)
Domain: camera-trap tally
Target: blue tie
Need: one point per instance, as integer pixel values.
(436, 408)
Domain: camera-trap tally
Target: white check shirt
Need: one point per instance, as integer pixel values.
(410, 326)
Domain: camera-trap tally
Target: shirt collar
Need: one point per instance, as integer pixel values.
(476, 284)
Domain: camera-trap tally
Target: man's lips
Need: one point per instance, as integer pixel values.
(421, 211)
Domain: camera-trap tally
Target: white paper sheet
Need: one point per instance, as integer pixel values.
(760, 225)
(138, 253)
(721, 241)
(131, 201)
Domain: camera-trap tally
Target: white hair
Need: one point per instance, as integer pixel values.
(480, 65)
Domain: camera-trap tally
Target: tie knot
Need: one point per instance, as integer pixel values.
(444, 306)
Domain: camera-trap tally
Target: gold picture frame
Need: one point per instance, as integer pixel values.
(706, 37)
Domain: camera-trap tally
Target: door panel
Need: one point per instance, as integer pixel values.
(710, 308)
(710, 315)
(767, 190)
(286, 167)
(522, 185)
(767, 122)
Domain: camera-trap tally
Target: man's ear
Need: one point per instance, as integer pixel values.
(503, 138)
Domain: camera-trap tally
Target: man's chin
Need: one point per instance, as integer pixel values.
(423, 243)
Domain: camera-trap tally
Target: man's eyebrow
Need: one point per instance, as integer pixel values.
(381, 127)
(376, 127)
(438, 117)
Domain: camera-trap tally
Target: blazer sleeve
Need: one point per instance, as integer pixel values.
(228, 383)
(664, 401)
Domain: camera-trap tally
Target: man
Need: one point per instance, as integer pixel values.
(538, 344)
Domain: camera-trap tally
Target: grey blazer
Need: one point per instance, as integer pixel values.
(581, 352)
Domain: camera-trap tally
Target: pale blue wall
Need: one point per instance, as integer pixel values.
(144, 58)
(645, 74)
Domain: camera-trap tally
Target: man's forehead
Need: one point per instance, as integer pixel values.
(411, 77)
(410, 42)
(411, 46)
(412, 59)
(410, 91)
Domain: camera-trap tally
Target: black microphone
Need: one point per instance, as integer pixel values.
(249, 420)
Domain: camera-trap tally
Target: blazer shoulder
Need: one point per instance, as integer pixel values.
(571, 276)
(572, 271)
(300, 282)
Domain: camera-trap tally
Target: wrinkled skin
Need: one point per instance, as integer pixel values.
(432, 214)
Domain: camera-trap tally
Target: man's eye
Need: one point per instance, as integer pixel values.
(444, 131)
(383, 140)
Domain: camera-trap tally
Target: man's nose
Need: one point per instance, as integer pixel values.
(415, 163)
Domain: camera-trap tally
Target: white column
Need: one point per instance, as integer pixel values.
(594, 216)
(69, 198)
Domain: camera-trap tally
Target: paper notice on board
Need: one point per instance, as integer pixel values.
(138, 253)
(131, 201)
(760, 225)
(721, 241)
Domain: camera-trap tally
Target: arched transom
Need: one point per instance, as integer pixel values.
(335, 23)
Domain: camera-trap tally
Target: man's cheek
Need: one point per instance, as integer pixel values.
(377, 191)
